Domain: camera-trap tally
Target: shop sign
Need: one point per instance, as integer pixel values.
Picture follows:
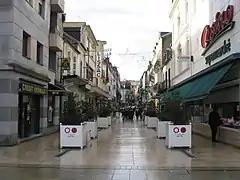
(65, 64)
(222, 24)
(57, 92)
(99, 65)
(225, 48)
(32, 89)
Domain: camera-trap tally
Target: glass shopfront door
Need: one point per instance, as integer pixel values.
(29, 115)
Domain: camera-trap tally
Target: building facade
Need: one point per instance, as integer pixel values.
(25, 74)
(87, 70)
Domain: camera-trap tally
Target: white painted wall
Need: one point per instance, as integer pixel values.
(192, 29)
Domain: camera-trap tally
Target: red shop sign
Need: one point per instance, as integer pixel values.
(223, 23)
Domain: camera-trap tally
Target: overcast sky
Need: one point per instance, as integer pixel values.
(127, 25)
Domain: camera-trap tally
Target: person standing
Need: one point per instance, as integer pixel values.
(137, 113)
(214, 122)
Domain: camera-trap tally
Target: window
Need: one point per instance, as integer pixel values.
(74, 65)
(39, 53)
(194, 6)
(179, 24)
(52, 63)
(187, 47)
(30, 2)
(41, 8)
(26, 45)
(81, 66)
(89, 72)
(186, 12)
(173, 32)
(69, 54)
(169, 78)
(179, 65)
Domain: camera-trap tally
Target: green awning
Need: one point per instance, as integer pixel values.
(200, 87)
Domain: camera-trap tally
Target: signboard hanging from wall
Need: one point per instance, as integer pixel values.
(65, 63)
(99, 66)
(185, 59)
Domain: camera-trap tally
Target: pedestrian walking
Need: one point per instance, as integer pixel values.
(214, 122)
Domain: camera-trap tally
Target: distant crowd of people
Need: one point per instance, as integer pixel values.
(129, 112)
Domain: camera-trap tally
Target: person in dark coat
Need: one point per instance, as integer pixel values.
(137, 114)
(214, 122)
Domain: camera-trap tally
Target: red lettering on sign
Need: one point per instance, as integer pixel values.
(222, 20)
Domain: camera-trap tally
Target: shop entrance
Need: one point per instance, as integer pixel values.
(29, 115)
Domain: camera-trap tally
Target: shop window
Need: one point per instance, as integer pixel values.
(39, 53)
(26, 44)
(51, 109)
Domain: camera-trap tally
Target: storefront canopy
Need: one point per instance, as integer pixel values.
(200, 87)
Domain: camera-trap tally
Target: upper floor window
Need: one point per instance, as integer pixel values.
(30, 2)
(194, 5)
(26, 44)
(179, 24)
(39, 53)
(52, 63)
(41, 8)
(81, 67)
(179, 54)
(186, 12)
(187, 47)
(69, 54)
(74, 65)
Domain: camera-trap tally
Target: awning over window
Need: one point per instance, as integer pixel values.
(56, 90)
(200, 87)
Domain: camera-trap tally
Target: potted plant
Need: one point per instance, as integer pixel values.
(72, 128)
(151, 113)
(178, 129)
(89, 116)
(103, 116)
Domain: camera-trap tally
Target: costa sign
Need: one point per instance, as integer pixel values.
(223, 23)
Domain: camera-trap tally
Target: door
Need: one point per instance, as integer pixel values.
(24, 116)
(35, 114)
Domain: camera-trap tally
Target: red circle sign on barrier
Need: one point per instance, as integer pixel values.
(74, 130)
(176, 130)
(183, 130)
(67, 130)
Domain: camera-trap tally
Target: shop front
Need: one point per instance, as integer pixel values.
(29, 109)
(218, 83)
(55, 94)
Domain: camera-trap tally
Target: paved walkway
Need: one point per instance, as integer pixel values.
(124, 151)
